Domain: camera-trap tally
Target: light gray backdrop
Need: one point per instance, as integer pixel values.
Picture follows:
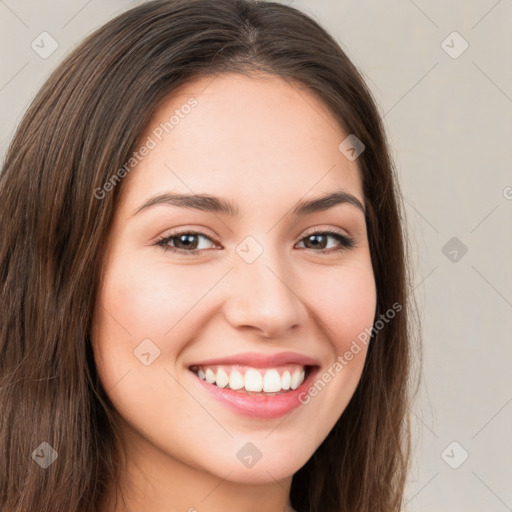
(441, 72)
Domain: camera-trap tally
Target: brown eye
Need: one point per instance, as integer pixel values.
(185, 242)
(189, 242)
(320, 240)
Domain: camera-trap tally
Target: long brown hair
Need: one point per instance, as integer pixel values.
(79, 131)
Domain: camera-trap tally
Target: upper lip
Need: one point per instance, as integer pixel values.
(258, 360)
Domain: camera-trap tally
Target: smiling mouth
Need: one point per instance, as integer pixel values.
(254, 381)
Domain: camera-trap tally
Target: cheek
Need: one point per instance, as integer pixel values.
(148, 300)
(345, 303)
(140, 302)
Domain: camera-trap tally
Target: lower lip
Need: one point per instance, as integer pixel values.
(256, 406)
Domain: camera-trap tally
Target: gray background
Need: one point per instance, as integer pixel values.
(449, 123)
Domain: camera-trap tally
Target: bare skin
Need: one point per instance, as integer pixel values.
(264, 144)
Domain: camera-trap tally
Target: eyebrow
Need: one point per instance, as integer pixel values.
(208, 203)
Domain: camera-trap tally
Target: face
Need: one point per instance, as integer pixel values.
(266, 295)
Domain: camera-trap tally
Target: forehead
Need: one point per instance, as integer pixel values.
(244, 137)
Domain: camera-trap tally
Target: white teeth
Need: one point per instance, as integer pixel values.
(254, 380)
(286, 379)
(236, 380)
(222, 378)
(297, 379)
(271, 382)
(209, 376)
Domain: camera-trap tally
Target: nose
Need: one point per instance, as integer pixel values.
(263, 298)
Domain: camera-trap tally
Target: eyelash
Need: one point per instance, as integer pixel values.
(346, 242)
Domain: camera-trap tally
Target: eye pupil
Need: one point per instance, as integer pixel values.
(315, 239)
(188, 240)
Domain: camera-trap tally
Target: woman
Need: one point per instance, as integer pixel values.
(204, 285)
